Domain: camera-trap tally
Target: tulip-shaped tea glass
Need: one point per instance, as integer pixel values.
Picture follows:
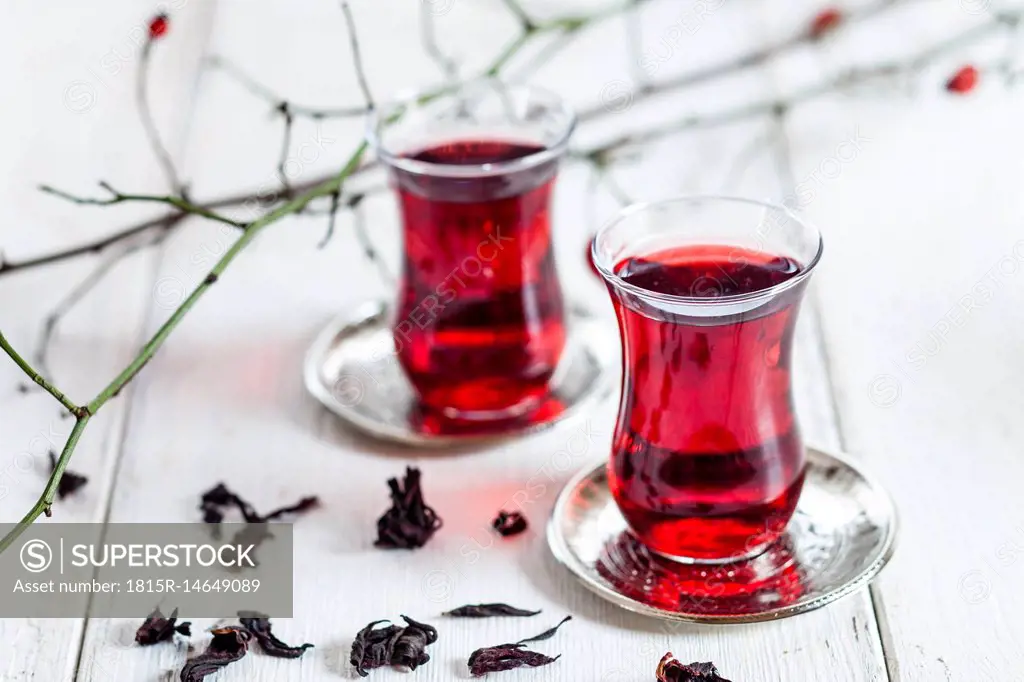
(707, 463)
(479, 326)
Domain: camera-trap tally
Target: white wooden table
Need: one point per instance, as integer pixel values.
(909, 350)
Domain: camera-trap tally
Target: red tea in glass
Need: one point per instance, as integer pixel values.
(479, 326)
(707, 462)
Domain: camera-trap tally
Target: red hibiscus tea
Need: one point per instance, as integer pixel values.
(707, 461)
(479, 324)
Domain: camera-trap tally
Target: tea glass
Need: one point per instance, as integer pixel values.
(707, 462)
(479, 325)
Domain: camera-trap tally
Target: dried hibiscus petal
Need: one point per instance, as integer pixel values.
(258, 625)
(505, 657)
(409, 523)
(372, 647)
(69, 480)
(216, 499)
(228, 645)
(411, 643)
(547, 634)
(303, 505)
(392, 645)
(509, 523)
(157, 629)
(671, 670)
(509, 656)
(488, 611)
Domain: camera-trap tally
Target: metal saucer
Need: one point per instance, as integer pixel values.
(351, 368)
(842, 534)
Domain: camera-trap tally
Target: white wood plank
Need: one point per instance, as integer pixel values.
(224, 400)
(69, 120)
(916, 219)
(926, 389)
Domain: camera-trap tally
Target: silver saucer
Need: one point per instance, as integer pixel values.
(842, 534)
(351, 368)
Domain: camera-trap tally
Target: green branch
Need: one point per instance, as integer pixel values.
(38, 378)
(83, 414)
(45, 502)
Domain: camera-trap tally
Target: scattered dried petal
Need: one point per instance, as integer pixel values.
(372, 647)
(547, 634)
(69, 480)
(963, 81)
(488, 611)
(409, 523)
(213, 502)
(218, 497)
(258, 625)
(228, 645)
(392, 645)
(505, 657)
(411, 644)
(671, 670)
(305, 504)
(825, 22)
(157, 629)
(508, 656)
(158, 26)
(509, 523)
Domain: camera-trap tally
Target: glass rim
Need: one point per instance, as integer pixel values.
(381, 115)
(607, 272)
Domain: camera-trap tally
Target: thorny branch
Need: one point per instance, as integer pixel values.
(290, 200)
(563, 30)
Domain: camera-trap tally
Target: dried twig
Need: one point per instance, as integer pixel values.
(265, 93)
(357, 55)
(564, 29)
(286, 147)
(117, 197)
(369, 250)
(332, 216)
(82, 289)
(428, 36)
(146, 116)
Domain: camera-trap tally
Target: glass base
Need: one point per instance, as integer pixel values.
(521, 409)
(704, 561)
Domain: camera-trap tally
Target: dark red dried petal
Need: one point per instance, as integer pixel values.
(158, 26)
(671, 670)
(826, 21)
(392, 645)
(409, 523)
(509, 523)
(156, 628)
(229, 644)
(963, 81)
(488, 611)
(258, 625)
(505, 657)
